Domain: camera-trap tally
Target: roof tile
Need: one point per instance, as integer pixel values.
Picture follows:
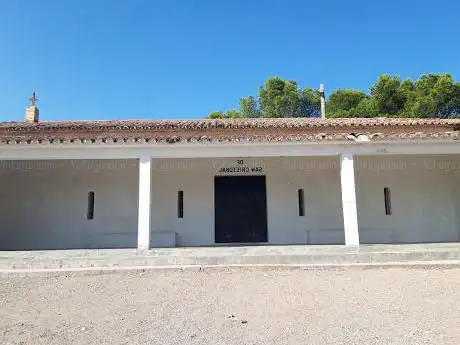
(225, 130)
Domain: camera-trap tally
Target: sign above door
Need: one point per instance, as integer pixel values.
(241, 167)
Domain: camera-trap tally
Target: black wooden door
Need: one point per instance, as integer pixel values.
(240, 209)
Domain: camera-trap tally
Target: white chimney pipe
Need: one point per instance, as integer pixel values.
(323, 101)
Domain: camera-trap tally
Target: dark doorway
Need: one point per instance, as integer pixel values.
(240, 209)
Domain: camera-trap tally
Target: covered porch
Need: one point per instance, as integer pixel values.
(142, 199)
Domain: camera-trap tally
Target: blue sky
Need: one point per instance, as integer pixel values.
(139, 59)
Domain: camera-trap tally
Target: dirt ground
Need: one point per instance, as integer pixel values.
(234, 306)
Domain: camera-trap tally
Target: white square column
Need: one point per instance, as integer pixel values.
(143, 225)
(350, 214)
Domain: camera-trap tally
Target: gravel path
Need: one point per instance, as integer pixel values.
(234, 306)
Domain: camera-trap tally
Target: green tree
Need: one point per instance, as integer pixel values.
(310, 103)
(418, 106)
(388, 94)
(279, 98)
(216, 115)
(446, 97)
(366, 108)
(433, 95)
(283, 98)
(454, 104)
(249, 107)
(233, 114)
(343, 103)
(407, 86)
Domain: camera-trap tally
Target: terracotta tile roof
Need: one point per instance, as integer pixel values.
(226, 130)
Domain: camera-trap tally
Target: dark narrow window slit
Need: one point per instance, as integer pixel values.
(180, 204)
(90, 210)
(386, 193)
(301, 202)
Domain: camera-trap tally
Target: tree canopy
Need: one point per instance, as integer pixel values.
(431, 95)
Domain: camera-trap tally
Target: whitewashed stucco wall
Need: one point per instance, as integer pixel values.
(43, 204)
(284, 176)
(423, 198)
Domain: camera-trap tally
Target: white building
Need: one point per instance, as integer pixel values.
(147, 184)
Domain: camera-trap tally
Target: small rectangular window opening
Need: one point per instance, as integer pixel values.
(180, 204)
(90, 210)
(386, 193)
(301, 203)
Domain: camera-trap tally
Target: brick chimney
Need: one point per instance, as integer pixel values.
(32, 113)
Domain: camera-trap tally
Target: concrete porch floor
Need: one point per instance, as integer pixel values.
(295, 255)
